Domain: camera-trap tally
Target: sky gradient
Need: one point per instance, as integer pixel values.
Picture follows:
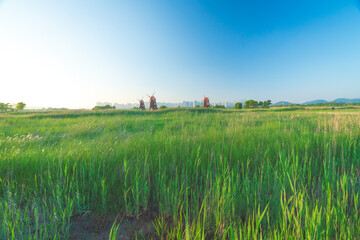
(75, 53)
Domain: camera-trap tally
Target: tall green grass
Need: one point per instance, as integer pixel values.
(204, 174)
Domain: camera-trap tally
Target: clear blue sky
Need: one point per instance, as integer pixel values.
(74, 53)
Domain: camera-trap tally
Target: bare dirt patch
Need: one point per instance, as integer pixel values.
(95, 227)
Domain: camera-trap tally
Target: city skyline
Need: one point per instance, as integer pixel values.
(74, 54)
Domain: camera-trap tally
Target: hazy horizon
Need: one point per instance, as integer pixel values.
(135, 103)
(75, 54)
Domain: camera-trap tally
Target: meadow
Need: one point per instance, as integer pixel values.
(180, 174)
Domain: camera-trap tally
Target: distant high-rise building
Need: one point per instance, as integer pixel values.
(187, 104)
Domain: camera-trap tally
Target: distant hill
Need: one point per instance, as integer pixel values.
(315, 102)
(282, 103)
(322, 101)
(347, 100)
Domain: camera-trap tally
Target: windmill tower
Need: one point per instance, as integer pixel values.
(206, 102)
(142, 104)
(153, 105)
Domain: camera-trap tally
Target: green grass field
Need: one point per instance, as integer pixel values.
(185, 174)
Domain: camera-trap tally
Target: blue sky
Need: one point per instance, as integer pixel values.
(74, 53)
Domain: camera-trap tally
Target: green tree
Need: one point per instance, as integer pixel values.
(162, 107)
(251, 104)
(4, 107)
(20, 106)
(267, 103)
(238, 105)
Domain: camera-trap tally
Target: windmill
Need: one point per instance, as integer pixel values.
(206, 102)
(153, 105)
(142, 104)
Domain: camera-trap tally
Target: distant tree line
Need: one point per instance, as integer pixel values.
(103, 107)
(161, 107)
(249, 104)
(7, 107)
(253, 104)
(218, 106)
